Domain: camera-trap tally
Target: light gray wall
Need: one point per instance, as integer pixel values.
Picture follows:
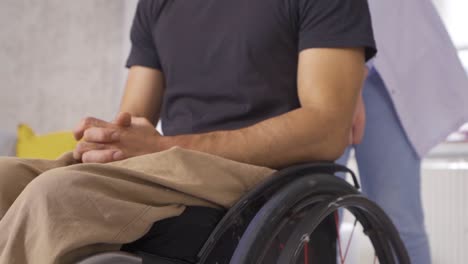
(61, 60)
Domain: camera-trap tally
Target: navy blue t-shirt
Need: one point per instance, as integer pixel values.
(229, 64)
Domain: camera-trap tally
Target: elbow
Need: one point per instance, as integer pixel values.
(331, 152)
(327, 151)
(327, 141)
(336, 144)
(334, 151)
(332, 146)
(336, 139)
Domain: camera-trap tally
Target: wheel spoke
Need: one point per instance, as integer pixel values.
(350, 239)
(306, 252)
(305, 245)
(337, 224)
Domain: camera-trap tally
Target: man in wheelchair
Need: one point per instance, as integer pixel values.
(242, 88)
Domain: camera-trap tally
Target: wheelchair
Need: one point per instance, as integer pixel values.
(289, 218)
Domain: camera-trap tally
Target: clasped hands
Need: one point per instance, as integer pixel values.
(125, 137)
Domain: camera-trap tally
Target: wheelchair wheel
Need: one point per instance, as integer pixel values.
(310, 205)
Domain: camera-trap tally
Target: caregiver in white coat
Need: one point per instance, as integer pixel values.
(415, 96)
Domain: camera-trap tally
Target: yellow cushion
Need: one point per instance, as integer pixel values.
(49, 146)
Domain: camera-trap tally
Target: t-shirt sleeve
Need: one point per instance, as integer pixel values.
(335, 24)
(143, 51)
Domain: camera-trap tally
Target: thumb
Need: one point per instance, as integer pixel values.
(123, 119)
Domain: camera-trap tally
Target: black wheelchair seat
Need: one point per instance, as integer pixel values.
(175, 240)
(179, 238)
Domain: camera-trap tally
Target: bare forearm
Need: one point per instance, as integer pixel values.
(303, 135)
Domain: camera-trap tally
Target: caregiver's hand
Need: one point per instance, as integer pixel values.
(125, 137)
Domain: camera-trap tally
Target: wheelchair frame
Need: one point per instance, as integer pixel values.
(247, 229)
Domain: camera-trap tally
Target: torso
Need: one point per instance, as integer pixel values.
(228, 64)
